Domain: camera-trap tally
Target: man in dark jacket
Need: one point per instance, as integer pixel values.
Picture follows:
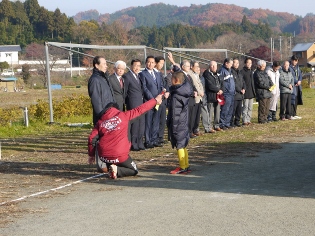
(99, 89)
(249, 95)
(239, 94)
(263, 86)
(213, 87)
(228, 92)
(296, 98)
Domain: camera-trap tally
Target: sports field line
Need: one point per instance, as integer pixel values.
(60, 187)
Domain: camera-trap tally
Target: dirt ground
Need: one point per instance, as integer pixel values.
(34, 164)
(234, 189)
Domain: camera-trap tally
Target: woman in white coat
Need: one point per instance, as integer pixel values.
(274, 75)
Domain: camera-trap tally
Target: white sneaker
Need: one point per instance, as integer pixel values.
(112, 171)
(298, 117)
(293, 118)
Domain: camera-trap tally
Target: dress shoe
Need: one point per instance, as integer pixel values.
(238, 125)
(149, 145)
(211, 131)
(218, 129)
(198, 134)
(192, 136)
(134, 149)
(157, 144)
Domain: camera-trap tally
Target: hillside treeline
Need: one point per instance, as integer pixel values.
(28, 22)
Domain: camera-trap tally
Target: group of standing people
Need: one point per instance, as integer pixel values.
(278, 81)
(222, 99)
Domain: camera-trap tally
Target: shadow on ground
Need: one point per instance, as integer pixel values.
(286, 170)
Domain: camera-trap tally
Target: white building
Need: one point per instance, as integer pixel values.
(10, 54)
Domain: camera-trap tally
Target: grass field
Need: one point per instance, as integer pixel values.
(46, 156)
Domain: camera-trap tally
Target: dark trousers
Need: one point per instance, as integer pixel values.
(162, 111)
(237, 112)
(152, 121)
(126, 168)
(227, 111)
(294, 107)
(190, 117)
(263, 110)
(196, 114)
(285, 105)
(137, 132)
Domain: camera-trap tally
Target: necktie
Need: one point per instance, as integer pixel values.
(152, 73)
(121, 82)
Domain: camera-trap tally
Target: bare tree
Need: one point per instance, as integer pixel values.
(36, 52)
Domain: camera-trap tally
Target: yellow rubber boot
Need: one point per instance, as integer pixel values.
(186, 158)
(181, 158)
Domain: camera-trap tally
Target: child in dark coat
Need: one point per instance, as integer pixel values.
(177, 120)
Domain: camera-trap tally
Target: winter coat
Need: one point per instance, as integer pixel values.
(213, 83)
(100, 92)
(275, 94)
(177, 119)
(229, 83)
(112, 132)
(297, 90)
(248, 78)
(285, 80)
(198, 85)
(262, 84)
(239, 84)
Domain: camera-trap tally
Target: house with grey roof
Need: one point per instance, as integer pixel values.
(306, 54)
(10, 54)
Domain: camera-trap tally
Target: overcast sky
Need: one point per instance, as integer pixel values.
(71, 7)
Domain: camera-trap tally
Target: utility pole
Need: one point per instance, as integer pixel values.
(280, 50)
(271, 50)
(79, 61)
(70, 53)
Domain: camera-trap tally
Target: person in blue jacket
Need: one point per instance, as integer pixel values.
(228, 92)
(177, 120)
(296, 96)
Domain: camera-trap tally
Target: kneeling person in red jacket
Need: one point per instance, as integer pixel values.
(111, 131)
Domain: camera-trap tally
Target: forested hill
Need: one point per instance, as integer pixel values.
(203, 16)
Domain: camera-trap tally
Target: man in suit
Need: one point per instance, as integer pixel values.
(159, 60)
(152, 86)
(133, 99)
(117, 83)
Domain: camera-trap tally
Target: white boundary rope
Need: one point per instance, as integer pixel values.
(60, 187)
